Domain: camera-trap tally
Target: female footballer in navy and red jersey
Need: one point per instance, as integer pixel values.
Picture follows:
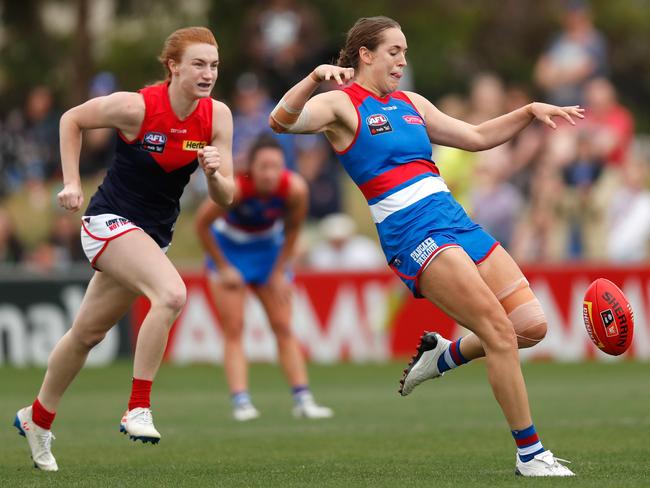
(166, 131)
(251, 244)
(383, 137)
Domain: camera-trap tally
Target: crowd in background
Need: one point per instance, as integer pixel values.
(579, 193)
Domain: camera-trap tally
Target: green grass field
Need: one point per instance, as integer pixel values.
(448, 433)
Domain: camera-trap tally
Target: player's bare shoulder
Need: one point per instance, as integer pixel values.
(422, 104)
(338, 103)
(298, 188)
(220, 109)
(126, 110)
(221, 118)
(130, 105)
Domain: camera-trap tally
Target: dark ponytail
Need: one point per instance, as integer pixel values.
(366, 32)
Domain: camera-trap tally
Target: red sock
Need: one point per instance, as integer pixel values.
(140, 392)
(42, 417)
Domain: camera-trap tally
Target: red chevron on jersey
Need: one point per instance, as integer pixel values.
(170, 141)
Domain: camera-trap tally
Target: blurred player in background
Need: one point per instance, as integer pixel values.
(252, 244)
(383, 137)
(166, 130)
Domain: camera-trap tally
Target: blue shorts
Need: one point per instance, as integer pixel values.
(254, 260)
(431, 226)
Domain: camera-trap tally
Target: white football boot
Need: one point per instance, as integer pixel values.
(138, 424)
(245, 412)
(544, 464)
(306, 407)
(39, 440)
(424, 365)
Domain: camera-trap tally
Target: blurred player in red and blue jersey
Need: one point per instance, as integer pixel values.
(251, 245)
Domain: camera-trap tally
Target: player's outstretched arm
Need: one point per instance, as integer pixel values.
(122, 110)
(298, 113)
(448, 131)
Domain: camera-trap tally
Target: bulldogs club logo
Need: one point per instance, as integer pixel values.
(608, 321)
(154, 142)
(378, 124)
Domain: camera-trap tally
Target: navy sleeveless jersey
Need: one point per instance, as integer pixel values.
(147, 178)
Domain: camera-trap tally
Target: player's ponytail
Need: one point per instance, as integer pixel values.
(344, 60)
(366, 32)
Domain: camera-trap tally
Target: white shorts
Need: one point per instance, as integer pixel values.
(98, 230)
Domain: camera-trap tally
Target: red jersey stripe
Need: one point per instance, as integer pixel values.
(390, 179)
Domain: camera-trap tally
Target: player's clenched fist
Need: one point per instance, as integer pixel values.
(209, 159)
(71, 197)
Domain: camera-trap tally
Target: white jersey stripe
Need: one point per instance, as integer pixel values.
(242, 236)
(406, 197)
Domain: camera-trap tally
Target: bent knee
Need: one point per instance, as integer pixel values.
(282, 331)
(87, 338)
(495, 330)
(232, 332)
(172, 298)
(502, 338)
(533, 335)
(529, 322)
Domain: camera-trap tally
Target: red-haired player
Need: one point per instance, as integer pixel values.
(166, 131)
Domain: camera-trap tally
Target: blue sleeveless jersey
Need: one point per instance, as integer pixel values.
(390, 161)
(146, 180)
(254, 212)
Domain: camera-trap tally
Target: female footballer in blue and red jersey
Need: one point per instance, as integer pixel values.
(383, 137)
(165, 132)
(251, 245)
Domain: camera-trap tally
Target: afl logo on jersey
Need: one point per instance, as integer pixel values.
(378, 124)
(154, 142)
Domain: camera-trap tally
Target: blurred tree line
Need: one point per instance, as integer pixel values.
(62, 43)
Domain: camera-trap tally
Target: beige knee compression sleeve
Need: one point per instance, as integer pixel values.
(524, 311)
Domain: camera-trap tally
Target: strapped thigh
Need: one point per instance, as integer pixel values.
(524, 311)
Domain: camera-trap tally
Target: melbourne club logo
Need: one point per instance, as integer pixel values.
(154, 142)
(378, 124)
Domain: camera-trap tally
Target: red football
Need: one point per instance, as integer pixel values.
(608, 317)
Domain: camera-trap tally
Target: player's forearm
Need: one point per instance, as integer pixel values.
(221, 189)
(288, 251)
(287, 112)
(70, 148)
(210, 247)
(501, 129)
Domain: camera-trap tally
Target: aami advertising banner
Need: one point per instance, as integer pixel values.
(35, 312)
(337, 316)
(372, 317)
